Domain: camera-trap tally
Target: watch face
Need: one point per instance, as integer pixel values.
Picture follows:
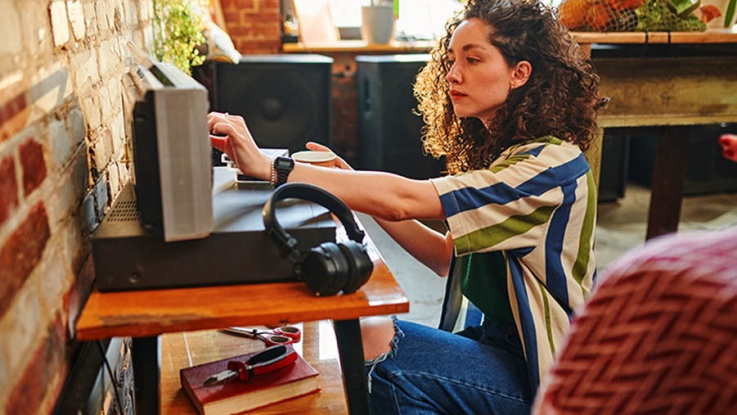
(283, 163)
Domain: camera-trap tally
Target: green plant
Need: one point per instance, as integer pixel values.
(729, 14)
(178, 26)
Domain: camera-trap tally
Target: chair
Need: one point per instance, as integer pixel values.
(457, 312)
(658, 336)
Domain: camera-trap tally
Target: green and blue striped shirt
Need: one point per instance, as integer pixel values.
(536, 206)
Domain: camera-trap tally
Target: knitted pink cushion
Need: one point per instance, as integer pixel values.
(658, 336)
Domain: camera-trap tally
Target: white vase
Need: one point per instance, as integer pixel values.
(718, 23)
(377, 24)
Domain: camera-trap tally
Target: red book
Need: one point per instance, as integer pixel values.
(237, 396)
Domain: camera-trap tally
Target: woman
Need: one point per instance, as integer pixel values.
(510, 103)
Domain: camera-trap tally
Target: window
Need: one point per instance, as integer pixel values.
(425, 19)
(418, 19)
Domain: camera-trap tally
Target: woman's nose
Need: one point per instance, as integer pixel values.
(453, 75)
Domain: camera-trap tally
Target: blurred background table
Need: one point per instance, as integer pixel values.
(670, 80)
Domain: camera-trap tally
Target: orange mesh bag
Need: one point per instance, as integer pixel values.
(632, 15)
(658, 336)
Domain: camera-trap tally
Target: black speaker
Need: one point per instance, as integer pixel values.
(285, 99)
(388, 129)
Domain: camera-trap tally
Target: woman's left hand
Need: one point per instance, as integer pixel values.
(340, 163)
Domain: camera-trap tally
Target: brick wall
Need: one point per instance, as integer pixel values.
(253, 25)
(62, 161)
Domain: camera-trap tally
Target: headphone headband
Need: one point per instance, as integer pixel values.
(309, 193)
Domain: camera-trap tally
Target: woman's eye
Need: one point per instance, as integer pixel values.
(472, 60)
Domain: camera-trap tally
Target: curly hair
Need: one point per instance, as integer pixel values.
(559, 99)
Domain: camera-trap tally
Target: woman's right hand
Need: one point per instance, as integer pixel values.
(229, 134)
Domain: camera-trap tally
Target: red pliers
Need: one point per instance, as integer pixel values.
(265, 361)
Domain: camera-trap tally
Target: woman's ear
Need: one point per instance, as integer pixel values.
(521, 74)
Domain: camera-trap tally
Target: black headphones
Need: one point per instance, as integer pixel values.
(330, 267)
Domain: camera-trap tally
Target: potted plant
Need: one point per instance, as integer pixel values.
(729, 14)
(178, 27)
(725, 17)
(377, 22)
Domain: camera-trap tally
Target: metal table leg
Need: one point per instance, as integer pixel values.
(146, 356)
(350, 348)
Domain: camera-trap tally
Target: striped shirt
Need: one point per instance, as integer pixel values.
(536, 204)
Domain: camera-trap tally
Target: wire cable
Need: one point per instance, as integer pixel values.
(112, 377)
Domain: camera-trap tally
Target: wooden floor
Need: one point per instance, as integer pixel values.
(318, 347)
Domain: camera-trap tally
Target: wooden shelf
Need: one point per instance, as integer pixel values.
(153, 312)
(358, 46)
(709, 36)
(318, 347)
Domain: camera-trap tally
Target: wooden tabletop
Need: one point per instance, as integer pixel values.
(153, 312)
(709, 36)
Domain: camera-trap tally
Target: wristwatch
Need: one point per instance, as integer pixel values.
(282, 166)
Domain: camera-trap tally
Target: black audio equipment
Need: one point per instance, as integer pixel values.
(129, 257)
(285, 99)
(389, 131)
(166, 117)
(329, 268)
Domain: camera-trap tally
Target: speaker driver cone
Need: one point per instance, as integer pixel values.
(284, 100)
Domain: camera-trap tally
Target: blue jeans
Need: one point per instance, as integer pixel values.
(429, 371)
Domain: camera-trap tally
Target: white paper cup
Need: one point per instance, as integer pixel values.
(317, 158)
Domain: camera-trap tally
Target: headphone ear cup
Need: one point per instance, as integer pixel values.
(325, 269)
(360, 265)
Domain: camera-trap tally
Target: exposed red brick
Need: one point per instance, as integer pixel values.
(237, 32)
(238, 5)
(13, 115)
(268, 5)
(13, 126)
(242, 4)
(21, 253)
(8, 188)
(254, 47)
(34, 166)
(77, 294)
(268, 30)
(265, 26)
(232, 18)
(12, 107)
(253, 25)
(48, 363)
(272, 16)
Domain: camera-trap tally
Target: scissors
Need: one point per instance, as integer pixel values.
(265, 361)
(278, 335)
